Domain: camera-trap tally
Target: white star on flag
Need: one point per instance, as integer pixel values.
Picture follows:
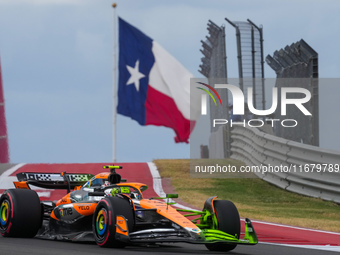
(135, 75)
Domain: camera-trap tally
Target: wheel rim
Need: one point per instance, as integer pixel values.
(101, 223)
(4, 213)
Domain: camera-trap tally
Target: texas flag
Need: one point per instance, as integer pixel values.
(154, 88)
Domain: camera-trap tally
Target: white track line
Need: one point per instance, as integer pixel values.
(313, 247)
(157, 185)
(299, 228)
(6, 180)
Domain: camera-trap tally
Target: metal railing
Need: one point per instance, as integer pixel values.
(300, 168)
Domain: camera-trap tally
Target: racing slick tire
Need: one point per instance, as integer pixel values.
(104, 221)
(20, 213)
(228, 220)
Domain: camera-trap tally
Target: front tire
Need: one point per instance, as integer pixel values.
(228, 220)
(104, 221)
(20, 213)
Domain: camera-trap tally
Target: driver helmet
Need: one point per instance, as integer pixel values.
(106, 183)
(135, 195)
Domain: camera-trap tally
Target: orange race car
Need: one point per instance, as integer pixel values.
(114, 213)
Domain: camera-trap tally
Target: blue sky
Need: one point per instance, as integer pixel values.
(56, 58)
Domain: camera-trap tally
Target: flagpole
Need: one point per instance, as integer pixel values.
(114, 5)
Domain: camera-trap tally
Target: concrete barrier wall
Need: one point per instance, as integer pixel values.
(257, 148)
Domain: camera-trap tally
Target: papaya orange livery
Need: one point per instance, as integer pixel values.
(121, 226)
(21, 185)
(85, 209)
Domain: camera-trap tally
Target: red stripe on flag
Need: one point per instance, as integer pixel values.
(161, 110)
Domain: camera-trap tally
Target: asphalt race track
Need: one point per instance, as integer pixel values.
(36, 246)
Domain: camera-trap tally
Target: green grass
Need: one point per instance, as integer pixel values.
(254, 198)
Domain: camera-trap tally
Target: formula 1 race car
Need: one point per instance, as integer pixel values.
(114, 213)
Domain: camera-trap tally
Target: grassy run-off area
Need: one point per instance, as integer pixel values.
(254, 198)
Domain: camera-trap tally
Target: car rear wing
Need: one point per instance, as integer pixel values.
(53, 180)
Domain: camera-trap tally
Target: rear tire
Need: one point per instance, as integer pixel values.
(228, 221)
(20, 213)
(104, 221)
